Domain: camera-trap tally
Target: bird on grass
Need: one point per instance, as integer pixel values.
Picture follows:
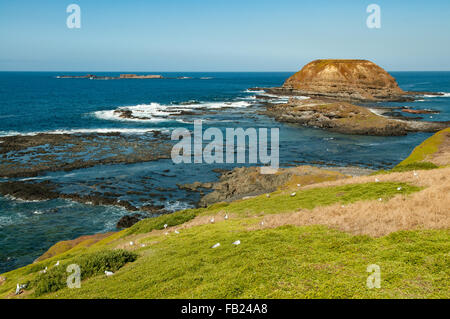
(268, 195)
(131, 243)
(108, 273)
(299, 185)
(57, 264)
(165, 226)
(177, 232)
(18, 289)
(376, 180)
(399, 188)
(262, 223)
(226, 217)
(212, 220)
(216, 245)
(379, 199)
(293, 194)
(237, 242)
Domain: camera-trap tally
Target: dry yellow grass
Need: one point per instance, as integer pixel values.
(427, 209)
(442, 156)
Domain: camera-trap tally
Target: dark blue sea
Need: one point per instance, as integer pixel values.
(34, 102)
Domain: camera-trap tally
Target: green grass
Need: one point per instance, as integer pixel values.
(286, 262)
(426, 148)
(416, 166)
(282, 202)
(149, 224)
(92, 264)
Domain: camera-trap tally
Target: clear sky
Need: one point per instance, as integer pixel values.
(221, 35)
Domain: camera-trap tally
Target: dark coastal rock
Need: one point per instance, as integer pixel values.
(346, 118)
(28, 191)
(245, 182)
(129, 220)
(46, 152)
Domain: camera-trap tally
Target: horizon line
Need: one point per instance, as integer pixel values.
(128, 71)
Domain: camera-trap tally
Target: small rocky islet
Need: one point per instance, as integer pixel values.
(324, 93)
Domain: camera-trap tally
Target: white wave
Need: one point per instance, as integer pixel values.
(155, 112)
(254, 92)
(19, 200)
(376, 112)
(38, 212)
(78, 131)
(444, 94)
(176, 206)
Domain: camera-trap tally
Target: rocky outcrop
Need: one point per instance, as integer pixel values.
(349, 80)
(346, 118)
(129, 220)
(245, 182)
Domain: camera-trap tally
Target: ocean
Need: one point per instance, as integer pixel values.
(39, 102)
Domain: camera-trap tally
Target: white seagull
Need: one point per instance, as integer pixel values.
(268, 195)
(165, 226)
(293, 194)
(376, 180)
(212, 220)
(216, 245)
(177, 232)
(399, 188)
(108, 273)
(237, 242)
(226, 217)
(57, 263)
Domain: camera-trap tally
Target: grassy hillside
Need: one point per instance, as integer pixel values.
(317, 243)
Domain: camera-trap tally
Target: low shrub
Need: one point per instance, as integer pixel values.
(92, 264)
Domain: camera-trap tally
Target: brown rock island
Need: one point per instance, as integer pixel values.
(350, 80)
(324, 92)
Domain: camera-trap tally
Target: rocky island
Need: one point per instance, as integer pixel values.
(331, 89)
(349, 80)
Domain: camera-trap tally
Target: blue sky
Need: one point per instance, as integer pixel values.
(219, 35)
